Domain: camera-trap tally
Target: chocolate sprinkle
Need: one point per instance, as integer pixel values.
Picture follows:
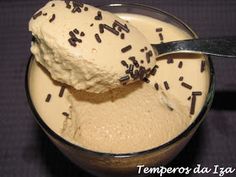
(135, 75)
(124, 78)
(203, 64)
(156, 86)
(37, 15)
(170, 108)
(135, 62)
(142, 61)
(121, 26)
(76, 9)
(72, 35)
(82, 34)
(161, 36)
(48, 98)
(45, 14)
(112, 30)
(149, 54)
(99, 16)
(142, 72)
(86, 9)
(159, 29)
(123, 62)
(148, 70)
(68, 6)
(189, 98)
(180, 65)
(53, 5)
(62, 90)
(131, 68)
(193, 105)
(65, 114)
(126, 49)
(197, 93)
(99, 13)
(76, 31)
(91, 24)
(72, 43)
(167, 87)
(101, 28)
(146, 80)
(73, 38)
(170, 60)
(97, 37)
(154, 70)
(52, 18)
(186, 85)
(142, 50)
(122, 36)
(132, 58)
(181, 78)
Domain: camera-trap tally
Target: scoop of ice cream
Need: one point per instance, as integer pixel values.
(124, 120)
(87, 48)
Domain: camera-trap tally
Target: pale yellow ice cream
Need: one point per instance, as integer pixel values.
(136, 117)
(125, 120)
(88, 48)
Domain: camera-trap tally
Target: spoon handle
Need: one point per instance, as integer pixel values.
(223, 47)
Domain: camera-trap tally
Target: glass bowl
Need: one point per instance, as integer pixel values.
(107, 164)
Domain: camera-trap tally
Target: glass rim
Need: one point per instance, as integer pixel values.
(179, 137)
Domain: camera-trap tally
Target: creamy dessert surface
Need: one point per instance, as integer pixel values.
(133, 118)
(77, 46)
(126, 120)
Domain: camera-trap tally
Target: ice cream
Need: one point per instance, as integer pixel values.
(87, 48)
(125, 120)
(136, 117)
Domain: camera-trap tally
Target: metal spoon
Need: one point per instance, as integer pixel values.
(222, 47)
